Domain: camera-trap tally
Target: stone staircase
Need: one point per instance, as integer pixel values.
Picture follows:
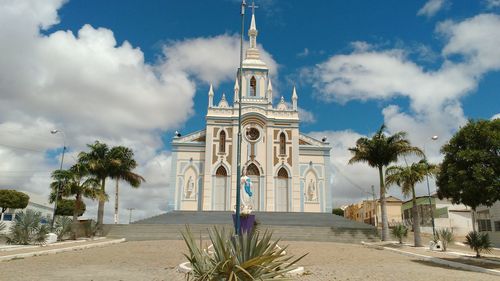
(287, 226)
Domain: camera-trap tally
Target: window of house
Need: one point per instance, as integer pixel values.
(497, 225)
(282, 144)
(484, 225)
(253, 87)
(222, 141)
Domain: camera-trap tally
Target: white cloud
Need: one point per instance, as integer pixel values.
(304, 53)
(201, 57)
(431, 8)
(496, 116)
(434, 96)
(492, 3)
(94, 88)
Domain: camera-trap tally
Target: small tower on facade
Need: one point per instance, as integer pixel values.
(211, 96)
(270, 91)
(294, 99)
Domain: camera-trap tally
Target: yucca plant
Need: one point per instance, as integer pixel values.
(27, 229)
(400, 231)
(479, 242)
(250, 256)
(445, 235)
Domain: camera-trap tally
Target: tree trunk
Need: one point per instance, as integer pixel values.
(383, 208)
(78, 204)
(474, 219)
(100, 208)
(416, 222)
(116, 202)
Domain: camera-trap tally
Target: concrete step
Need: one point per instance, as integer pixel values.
(285, 226)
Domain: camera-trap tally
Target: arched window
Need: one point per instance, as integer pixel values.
(282, 144)
(222, 142)
(252, 170)
(253, 86)
(282, 173)
(221, 172)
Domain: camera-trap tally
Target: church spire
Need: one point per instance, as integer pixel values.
(252, 51)
(270, 91)
(294, 98)
(236, 90)
(211, 96)
(252, 33)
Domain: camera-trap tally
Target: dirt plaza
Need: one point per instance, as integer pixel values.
(158, 260)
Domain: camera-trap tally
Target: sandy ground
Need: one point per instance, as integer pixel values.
(157, 260)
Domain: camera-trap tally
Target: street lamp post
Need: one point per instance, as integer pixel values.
(238, 145)
(60, 168)
(429, 192)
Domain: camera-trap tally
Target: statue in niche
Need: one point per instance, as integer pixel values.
(311, 191)
(189, 193)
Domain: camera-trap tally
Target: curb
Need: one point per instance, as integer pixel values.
(438, 260)
(61, 250)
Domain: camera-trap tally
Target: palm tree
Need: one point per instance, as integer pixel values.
(379, 151)
(122, 164)
(407, 177)
(98, 164)
(75, 182)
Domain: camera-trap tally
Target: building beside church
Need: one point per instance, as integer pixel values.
(289, 170)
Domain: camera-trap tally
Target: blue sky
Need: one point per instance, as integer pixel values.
(133, 72)
(298, 35)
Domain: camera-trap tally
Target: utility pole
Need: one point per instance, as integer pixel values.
(130, 214)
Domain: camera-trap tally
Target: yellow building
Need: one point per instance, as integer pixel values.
(369, 212)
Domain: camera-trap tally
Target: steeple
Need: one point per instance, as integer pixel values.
(252, 33)
(270, 91)
(294, 99)
(211, 96)
(252, 52)
(236, 90)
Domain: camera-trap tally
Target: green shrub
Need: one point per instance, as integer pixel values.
(249, 256)
(27, 229)
(400, 231)
(479, 242)
(91, 228)
(63, 227)
(445, 235)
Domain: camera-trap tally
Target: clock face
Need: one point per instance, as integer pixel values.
(253, 134)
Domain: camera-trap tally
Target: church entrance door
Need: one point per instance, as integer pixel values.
(282, 191)
(220, 189)
(220, 194)
(254, 174)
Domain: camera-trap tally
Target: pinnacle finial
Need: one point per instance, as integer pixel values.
(269, 86)
(211, 91)
(294, 93)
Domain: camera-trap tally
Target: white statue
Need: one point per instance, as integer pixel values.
(189, 189)
(311, 191)
(246, 194)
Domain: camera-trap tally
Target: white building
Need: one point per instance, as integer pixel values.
(36, 203)
(488, 220)
(288, 169)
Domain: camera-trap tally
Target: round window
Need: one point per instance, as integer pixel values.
(253, 134)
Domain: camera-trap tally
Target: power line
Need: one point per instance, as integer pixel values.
(350, 181)
(22, 148)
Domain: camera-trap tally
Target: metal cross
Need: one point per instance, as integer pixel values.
(253, 7)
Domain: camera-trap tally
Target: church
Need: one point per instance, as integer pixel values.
(289, 170)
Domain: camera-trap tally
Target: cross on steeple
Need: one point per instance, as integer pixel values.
(253, 7)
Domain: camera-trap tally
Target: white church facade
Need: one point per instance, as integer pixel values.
(289, 170)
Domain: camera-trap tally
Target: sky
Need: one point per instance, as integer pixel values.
(133, 72)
